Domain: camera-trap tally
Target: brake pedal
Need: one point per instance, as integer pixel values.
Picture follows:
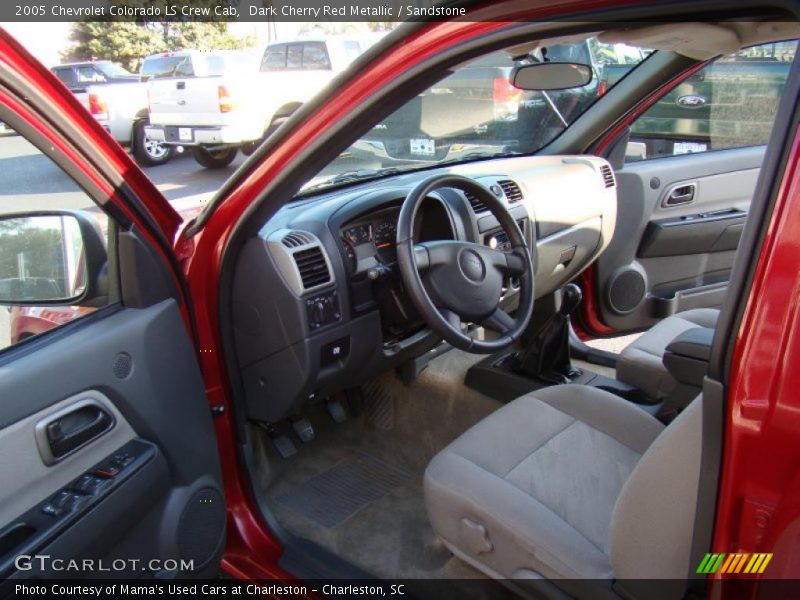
(304, 429)
(336, 411)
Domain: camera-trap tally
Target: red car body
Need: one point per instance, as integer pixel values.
(759, 495)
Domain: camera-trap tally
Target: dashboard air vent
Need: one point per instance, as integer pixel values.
(295, 239)
(312, 266)
(511, 190)
(608, 176)
(477, 205)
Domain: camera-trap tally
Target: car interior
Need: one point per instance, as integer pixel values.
(417, 401)
(405, 340)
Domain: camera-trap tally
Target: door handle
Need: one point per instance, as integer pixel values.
(681, 194)
(70, 429)
(181, 85)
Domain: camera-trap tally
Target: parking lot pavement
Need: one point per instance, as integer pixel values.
(183, 179)
(32, 181)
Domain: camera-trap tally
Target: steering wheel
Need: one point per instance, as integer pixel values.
(451, 281)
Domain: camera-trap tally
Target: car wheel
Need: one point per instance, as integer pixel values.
(149, 152)
(214, 159)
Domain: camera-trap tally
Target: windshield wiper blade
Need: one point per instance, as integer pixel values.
(349, 176)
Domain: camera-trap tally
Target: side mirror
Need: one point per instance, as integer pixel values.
(51, 258)
(551, 76)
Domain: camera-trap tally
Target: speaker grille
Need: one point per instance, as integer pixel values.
(122, 365)
(202, 526)
(626, 292)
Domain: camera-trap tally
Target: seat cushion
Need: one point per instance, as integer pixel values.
(532, 487)
(640, 364)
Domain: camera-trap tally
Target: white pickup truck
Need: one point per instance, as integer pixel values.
(224, 110)
(118, 100)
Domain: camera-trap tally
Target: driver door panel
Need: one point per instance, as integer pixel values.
(166, 504)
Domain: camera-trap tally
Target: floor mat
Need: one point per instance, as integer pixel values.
(332, 497)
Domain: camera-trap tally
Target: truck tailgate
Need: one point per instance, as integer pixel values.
(190, 101)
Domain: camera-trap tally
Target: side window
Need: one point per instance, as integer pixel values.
(352, 49)
(66, 75)
(294, 56)
(730, 103)
(89, 75)
(315, 57)
(44, 257)
(274, 58)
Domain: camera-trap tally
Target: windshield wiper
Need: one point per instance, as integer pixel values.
(350, 176)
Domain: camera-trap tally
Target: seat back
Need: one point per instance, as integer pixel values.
(653, 519)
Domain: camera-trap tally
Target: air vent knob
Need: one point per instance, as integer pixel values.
(496, 190)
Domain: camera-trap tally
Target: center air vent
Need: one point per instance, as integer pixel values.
(477, 205)
(313, 267)
(511, 190)
(295, 239)
(608, 176)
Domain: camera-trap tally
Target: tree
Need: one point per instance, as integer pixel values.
(123, 42)
(129, 43)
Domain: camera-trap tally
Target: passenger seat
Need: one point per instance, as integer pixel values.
(641, 363)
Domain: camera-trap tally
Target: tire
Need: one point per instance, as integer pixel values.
(214, 159)
(147, 152)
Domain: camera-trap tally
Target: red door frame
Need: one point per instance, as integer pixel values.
(759, 496)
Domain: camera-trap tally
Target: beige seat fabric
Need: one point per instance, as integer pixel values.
(534, 486)
(640, 364)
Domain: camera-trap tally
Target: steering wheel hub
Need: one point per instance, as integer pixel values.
(472, 265)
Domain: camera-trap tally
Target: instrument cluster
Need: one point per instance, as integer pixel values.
(375, 239)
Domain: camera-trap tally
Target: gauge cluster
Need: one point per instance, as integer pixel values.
(371, 240)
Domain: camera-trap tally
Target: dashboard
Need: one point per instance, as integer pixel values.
(318, 301)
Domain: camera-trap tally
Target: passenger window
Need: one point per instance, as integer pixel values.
(294, 56)
(274, 59)
(352, 50)
(42, 257)
(315, 57)
(65, 75)
(730, 103)
(89, 75)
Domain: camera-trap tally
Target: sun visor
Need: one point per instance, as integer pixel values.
(699, 41)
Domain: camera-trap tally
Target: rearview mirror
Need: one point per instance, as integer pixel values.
(551, 76)
(50, 258)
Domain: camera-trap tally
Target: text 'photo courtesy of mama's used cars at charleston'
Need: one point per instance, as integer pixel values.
(505, 308)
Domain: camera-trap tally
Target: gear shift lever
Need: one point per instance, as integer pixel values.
(546, 357)
(570, 300)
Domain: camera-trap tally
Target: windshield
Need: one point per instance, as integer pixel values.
(110, 69)
(475, 112)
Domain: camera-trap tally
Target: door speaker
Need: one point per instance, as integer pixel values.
(626, 291)
(202, 526)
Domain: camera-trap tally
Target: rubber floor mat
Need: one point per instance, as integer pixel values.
(379, 404)
(335, 495)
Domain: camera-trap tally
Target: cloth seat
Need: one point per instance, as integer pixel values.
(640, 364)
(537, 488)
